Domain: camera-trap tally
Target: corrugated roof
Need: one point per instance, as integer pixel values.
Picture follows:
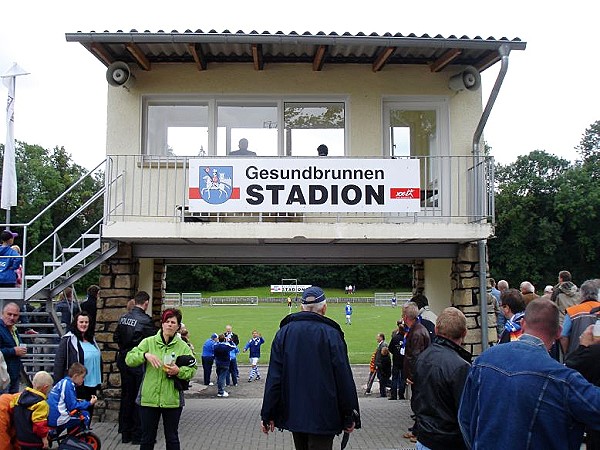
(205, 48)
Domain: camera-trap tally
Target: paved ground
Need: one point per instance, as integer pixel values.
(209, 422)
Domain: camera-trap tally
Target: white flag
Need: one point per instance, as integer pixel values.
(9, 170)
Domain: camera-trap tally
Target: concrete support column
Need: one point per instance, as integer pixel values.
(466, 297)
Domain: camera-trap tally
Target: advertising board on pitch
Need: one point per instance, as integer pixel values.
(304, 185)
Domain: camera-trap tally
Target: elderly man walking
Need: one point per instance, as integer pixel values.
(310, 390)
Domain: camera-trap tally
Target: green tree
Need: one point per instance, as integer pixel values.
(528, 244)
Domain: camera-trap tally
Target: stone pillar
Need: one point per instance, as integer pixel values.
(159, 286)
(118, 283)
(466, 296)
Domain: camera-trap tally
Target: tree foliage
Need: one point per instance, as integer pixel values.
(547, 216)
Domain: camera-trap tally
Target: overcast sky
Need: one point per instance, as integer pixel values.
(550, 95)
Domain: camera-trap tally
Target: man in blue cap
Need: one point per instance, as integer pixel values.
(310, 390)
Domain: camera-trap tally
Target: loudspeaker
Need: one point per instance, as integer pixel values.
(468, 79)
(119, 74)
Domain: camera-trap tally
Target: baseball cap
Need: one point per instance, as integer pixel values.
(313, 291)
(214, 335)
(6, 235)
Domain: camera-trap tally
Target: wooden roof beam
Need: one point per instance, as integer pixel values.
(198, 55)
(488, 61)
(100, 51)
(319, 58)
(257, 56)
(139, 55)
(382, 58)
(445, 59)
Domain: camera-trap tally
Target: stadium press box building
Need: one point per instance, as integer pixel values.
(212, 157)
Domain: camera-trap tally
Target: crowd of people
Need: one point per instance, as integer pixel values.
(545, 363)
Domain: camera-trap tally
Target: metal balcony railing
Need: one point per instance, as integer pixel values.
(454, 189)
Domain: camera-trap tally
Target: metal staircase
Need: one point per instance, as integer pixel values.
(64, 266)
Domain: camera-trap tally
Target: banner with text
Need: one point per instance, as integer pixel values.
(304, 185)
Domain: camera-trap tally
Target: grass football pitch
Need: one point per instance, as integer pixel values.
(367, 321)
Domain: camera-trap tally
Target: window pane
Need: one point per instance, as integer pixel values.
(412, 133)
(257, 124)
(310, 124)
(180, 130)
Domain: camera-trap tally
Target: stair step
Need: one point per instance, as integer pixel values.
(52, 264)
(71, 250)
(90, 236)
(34, 277)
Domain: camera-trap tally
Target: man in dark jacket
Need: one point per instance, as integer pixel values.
(397, 350)
(310, 390)
(439, 378)
(10, 345)
(584, 360)
(132, 328)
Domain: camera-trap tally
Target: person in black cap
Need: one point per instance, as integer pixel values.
(309, 372)
(322, 150)
(9, 260)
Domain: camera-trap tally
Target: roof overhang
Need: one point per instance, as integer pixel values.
(261, 49)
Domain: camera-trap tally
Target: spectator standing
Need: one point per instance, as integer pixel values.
(309, 372)
(417, 340)
(579, 317)
(222, 360)
(10, 345)
(513, 308)
(439, 378)
(548, 292)
(565, 294)
(90, 304)
(396, 347)
(159, 396)
(133, 327)
(67, 307)
(254, 346)
(208, 357)
(426, 316)
(322, 150)
(233, 372)
(500, 319)
(381, 344)
(9, 260)
(528, 292)
(19, 270)
(584, 360)
(230, 336)
(549, 403)
(385, 372)
(79, 345)
(242, 149)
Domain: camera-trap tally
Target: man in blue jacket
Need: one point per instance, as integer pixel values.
(310, 390)
(10, 345)
(9, 261)
(548, 404)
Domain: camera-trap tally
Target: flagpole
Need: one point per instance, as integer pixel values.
(8, 196)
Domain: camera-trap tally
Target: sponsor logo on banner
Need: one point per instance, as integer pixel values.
(405, 193)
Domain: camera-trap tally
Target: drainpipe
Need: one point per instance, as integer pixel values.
(504, 51)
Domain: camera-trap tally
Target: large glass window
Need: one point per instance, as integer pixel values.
(255, 123)
(179, 130)
(222, 127)
(310, 124)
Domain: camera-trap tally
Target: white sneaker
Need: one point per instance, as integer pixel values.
(211, 384)
(224, 394)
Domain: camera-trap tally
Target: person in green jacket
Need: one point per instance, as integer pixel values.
(159, 395)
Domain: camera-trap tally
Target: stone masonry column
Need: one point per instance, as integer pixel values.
(466, 297)
(418, 279)
(118, 284)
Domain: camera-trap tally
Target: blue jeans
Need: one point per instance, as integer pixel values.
(221, 378)
(396, 385)
(420, 446)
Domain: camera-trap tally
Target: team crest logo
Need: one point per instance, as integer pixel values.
(216, 185)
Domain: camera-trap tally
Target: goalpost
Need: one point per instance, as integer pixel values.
(234, 301)
(383, 298)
